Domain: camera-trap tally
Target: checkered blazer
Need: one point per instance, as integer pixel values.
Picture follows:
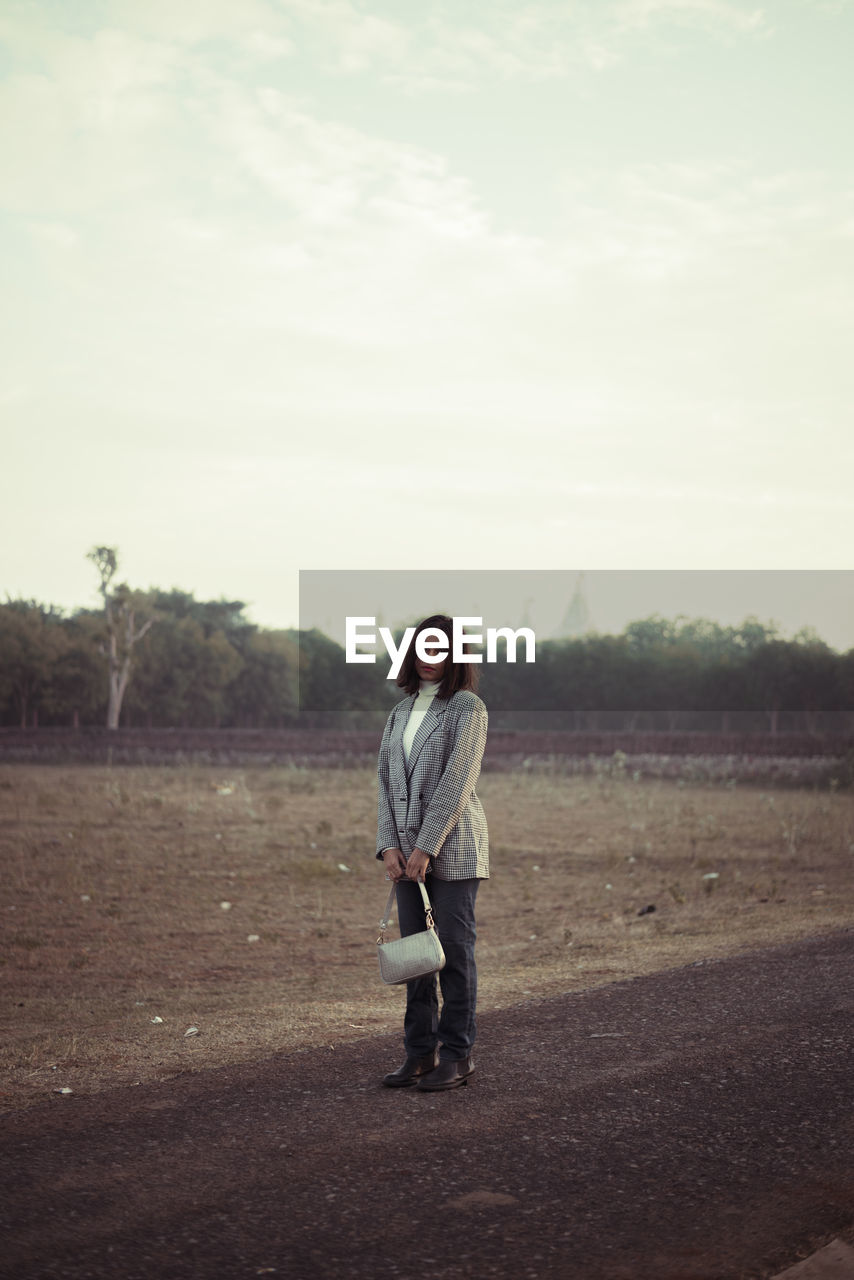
(430, 802)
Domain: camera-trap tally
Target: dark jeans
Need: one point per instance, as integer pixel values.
(453, 915)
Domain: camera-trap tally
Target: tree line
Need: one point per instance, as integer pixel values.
(158, 659)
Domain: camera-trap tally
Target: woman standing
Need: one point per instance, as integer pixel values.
(431, 820)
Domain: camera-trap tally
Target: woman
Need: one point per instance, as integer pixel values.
(431, 820)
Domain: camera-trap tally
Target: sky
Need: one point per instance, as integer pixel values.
(316, 284)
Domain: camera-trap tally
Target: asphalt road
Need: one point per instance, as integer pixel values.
(692, 1124)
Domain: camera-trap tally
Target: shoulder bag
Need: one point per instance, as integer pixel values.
(412, 957)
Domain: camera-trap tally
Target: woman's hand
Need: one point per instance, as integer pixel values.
(395, 864)
(417, 864)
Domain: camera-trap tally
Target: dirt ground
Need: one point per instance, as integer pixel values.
(143, 904)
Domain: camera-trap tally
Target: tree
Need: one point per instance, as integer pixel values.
(183, 675)
(816, 677)
(753, 634)
(265, 693)
(332, 693)
(770, 677)
(120, 606)
(31, 642)
(76, 694)
(650, 634)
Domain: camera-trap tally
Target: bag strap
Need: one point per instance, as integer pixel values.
(389, 906)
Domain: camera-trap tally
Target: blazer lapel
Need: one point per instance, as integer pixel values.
(397, 742)
(431, 722)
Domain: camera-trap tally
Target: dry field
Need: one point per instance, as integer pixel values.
(141, 902)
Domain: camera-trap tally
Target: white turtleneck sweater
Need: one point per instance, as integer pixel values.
(423, 703)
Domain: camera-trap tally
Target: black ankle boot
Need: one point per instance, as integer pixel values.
(410, 1071)
(448, 1075)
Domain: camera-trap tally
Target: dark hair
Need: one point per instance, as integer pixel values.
(457, 675)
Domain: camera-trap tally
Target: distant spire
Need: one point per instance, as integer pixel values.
(526, 613)
(576, 621)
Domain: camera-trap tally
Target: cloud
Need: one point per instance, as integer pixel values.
(414, 84)
(666, 219)
(232, 23)
(78, 130)
(55, 233)
(436, 51)
(430, 51)
(715, 14)
(268, 48)
(352, 39)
